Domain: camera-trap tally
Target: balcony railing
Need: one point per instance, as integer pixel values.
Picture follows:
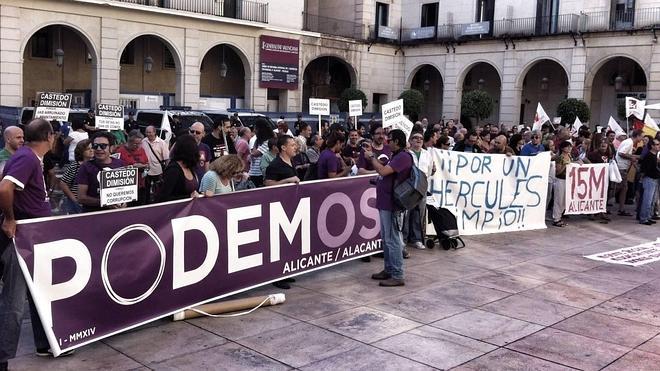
(536, 26)
(238, 9)
(333, 26)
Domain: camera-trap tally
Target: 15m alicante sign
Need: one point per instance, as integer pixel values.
(95, 275)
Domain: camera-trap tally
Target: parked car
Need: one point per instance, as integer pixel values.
(171, 120)
(247, 118)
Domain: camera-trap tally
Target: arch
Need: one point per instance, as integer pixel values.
(242, 54)
(351, 70)
(419, 66)
(593, 70)
(84, 36)
(526, 68)
(469, 67)
(176, 54)
(230, 91)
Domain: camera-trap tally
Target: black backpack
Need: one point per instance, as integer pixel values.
(410, 192)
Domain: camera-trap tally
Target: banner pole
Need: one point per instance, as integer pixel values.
(320, 133)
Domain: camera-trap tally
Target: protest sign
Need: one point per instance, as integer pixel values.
(404, 125)
(491, 193)
(53, 106)
(392, 113)
(118, 186)
(109, 116)
(131, 266)
(355, 107)
(319, 107)
(634, 256)
(586, 188)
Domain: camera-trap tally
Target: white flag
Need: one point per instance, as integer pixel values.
(540, 118)
(635, 107)
(576, 126)
(650, 122)
(614, 126)
(652, 106)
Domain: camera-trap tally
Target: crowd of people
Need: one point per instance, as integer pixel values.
(231, 157)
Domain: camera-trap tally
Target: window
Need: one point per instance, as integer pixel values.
(622, 14)
(429, 15)
(547, 13)
(382, 14)
(168, 59)
(42, 44)
(128, 55)
(485, 10)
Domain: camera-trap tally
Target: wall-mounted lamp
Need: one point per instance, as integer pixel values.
(618, 83)
(544, 84)
(148, 64)
(59, 57)
(481, 83)
(426, 85)
(223, 65)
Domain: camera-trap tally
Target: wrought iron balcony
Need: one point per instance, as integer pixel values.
(333, 26)
(238, 9)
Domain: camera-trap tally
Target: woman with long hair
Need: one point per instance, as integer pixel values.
(83, 152)
(263, 132)
(220, 177)
(179, 178)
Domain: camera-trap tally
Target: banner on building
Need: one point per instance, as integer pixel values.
(491, 193)
(634, 256)
(586, 188)
(118, 186)
(279, 59)
(109, 116)
(53, 106)
(94, 275)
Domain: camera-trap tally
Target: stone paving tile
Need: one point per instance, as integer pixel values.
(567, 295)
(366, 357)
(310, 305)
(604, 285)
(91, 357)
(503, 282)
(175, 338)
(647, 293)
(651, 346)
(488, 327)
(226, 357)
(462, 293)
(366, 324)
(423, 306)
(234, 328)
(636, 360)
(568, 262)
(445, 270)
(533, 310)
(607, 328)
(569, 349)
(631, 309)
(537, 271)
(435, 347)
(487, 259)
(300, 344)
(505, 359)
(617, 271)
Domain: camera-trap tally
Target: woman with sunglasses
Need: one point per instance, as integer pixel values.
(89, 195)
(179, 178)
(221, 175)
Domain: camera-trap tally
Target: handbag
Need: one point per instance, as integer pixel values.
(614, 173)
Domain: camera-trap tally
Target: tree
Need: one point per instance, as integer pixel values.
(351, 94)
(413, 103)
(569, 108)
(477, 103)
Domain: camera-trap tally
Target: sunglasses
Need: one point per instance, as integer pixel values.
(196, 132)
(100, 145)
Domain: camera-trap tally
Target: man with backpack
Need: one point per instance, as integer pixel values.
(396, 171)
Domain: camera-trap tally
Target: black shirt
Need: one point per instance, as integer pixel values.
(278, 170)
(130, 125)
(649, 166)
(217, 146)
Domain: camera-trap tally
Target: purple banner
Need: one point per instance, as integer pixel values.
(94, 275)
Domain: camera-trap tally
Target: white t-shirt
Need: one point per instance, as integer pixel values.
(625, 147)
(76, 136)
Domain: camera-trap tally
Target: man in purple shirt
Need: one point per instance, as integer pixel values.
(89, 195)
(378, 148)
(23, 195)
(330, 165)
(391, 219)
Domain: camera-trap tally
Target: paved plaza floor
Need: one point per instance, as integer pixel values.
(514, 301)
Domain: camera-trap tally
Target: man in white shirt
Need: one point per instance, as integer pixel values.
(625, 158)
(158, 153)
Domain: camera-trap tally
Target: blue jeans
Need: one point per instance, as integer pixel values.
(390, 233)
(71, 207)
(12, 306)
(650, 186)
(412, 224)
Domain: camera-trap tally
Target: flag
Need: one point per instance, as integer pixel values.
(540, 118)
(635, 107)
(650, 126)
(576, 126)
(652, 106)
(614, 126)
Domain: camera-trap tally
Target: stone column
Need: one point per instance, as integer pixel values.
(510, 95)
(653, 83)
(257, 98)
(188, 75)
(11, 60)
(106, 79)
(576, 85)
(453, 90)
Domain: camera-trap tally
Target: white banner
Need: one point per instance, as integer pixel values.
(392, 113)
(319, 106)
(109, 117)
(635, 256)
(586, 188)
(355, 107)
(492, 193)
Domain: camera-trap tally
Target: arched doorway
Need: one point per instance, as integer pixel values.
(616, 79)
(483, 76)
(223, 81)
(546, 82)
(428, 80)
(59, 58)
(326, 77)
(149, 67)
